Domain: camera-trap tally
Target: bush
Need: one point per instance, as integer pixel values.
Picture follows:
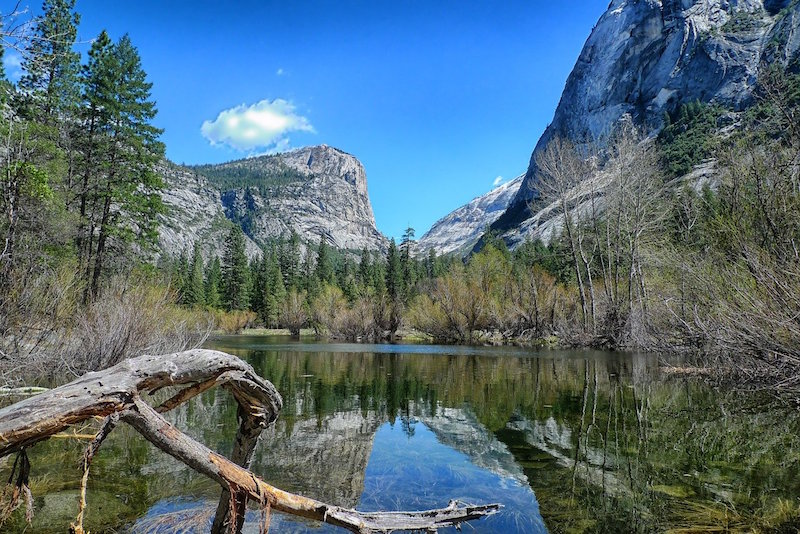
(688, 137)
(234, 321)
(51, 335)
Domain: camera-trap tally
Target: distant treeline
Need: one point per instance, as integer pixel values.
(263, 173)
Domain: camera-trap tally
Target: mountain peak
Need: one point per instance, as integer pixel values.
(645, 58)
(316, 191)
(461, 229)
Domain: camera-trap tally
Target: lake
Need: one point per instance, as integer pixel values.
(567, 441)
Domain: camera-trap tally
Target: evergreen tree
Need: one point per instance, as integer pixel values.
(195, 287)
(365, 268)
(379, 275)
(310, 283)
(276, 295)
(324, 270)
(346, 278)
(290, 261)
(407, 263)
(120, 197)
(235, 272)
(213, 283)
(394, 272)
(51, 65)
(258, 271)
(181, 276)
(430, 264)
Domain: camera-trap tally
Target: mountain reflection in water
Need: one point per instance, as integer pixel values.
(565, 440)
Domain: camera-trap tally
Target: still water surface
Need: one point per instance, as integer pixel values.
(567, 441)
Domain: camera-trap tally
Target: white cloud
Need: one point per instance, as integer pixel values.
(12, 62)
(279, 72)
(497, 181)
(263, 125)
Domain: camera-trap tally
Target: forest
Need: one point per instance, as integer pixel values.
(645, 251)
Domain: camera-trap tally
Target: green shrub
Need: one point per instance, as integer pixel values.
(688, 136)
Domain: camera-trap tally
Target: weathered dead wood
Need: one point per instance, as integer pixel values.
(116, 393)
(113, 390)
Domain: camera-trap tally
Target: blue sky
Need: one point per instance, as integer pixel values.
(437, 99)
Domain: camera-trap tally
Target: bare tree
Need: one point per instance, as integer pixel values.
(635, 215)
(562, 178)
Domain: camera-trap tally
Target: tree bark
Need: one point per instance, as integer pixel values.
(117, 391)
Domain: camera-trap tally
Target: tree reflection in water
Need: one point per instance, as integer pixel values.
(592, 441)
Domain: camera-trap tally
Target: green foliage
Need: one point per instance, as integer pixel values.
(394, 272)
(742, 21)
(264, 174)
(193, 293)
(119, 190)
(213, 284)
(775, 114)
(688, 137)
(236, 272)
(50, 64)
(553, 258)
(324, 264)
(269, 291)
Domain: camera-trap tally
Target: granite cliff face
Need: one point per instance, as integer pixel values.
(314, 191)
(194, 214)
(646, 57)
(458, 231)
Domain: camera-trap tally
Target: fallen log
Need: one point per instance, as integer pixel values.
(116, 394)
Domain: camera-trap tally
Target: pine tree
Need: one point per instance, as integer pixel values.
(379, 276)
(236, 272)
(213, 283)
(394, 272)
(120, 197)
(277, 293)
(365, 268)
(324, 270)
(195, 287)
(290, 260)
(51, 65)
(259, 289)
(181, 276)
(407, 263)
(292, 272)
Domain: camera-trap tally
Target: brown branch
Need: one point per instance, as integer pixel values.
(116, 393)
(109, 424)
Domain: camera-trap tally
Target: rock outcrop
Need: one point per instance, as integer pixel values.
(316, 191)
(646, 57)
(461, 229)
(194, 214)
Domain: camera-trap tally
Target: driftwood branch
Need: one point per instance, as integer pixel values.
(116, 393)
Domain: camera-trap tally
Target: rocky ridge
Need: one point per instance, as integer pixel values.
(461, 229)
(194, 214)
(317, 191)
(646, 57)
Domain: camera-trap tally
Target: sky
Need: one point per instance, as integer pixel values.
(440, 100)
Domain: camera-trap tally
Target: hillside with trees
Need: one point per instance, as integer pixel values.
(643, 251)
